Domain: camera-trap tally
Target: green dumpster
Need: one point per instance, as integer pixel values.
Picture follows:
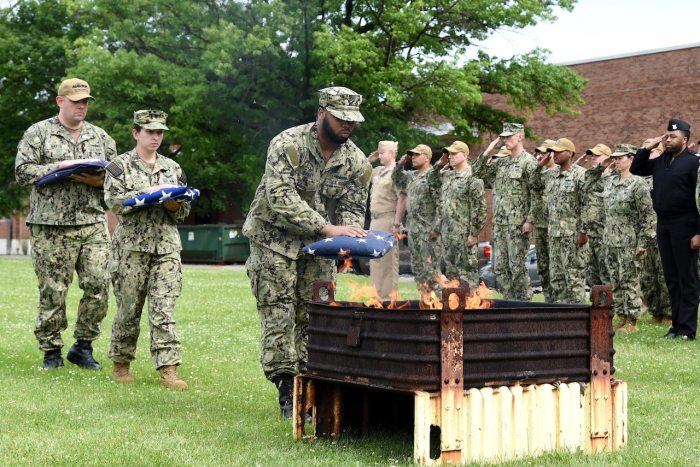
(213, 243)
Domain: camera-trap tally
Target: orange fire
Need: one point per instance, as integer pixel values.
(367, 295)
(346, 265)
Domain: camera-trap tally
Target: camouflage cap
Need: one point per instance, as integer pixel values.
(151, 119)
(546, 144)
(599, 150)
(458, 146)
(75, 89)
(342, 103)
(624, 150)
(512, 128)
(563, 144)
(421, 149)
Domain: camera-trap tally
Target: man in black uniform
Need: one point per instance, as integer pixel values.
(678, 228)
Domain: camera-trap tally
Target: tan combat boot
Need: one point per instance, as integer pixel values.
(122, 374)
(630, 326)
(169, 378)
(621, 321)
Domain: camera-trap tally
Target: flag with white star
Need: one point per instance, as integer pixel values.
(376, 244)
(157, 197)
(92, 167)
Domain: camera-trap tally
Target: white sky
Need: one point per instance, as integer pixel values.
(600, 28)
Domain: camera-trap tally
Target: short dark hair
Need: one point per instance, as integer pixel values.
(137, 127)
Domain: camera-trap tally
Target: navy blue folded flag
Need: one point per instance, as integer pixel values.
(376, 244)
(164, 194)
(63, 175)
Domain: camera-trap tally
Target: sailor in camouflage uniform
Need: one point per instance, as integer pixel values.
(511, 179)
(630, 228)
(593, 212)
(539, 210)
(460, 216)
(421, 205)
(67, 223)
(145, 256)
(314, 186)
(568, 249)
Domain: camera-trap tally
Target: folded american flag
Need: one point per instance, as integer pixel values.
(164, 194)
(64, 174)
(376, 244)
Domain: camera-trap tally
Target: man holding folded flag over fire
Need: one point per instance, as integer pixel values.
(67, 223)
(314, 186)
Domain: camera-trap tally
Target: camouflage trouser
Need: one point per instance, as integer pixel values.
(57, 251)
(424, 265)
(654, 290)
(385, 271)
(460, 260)
(510, 247)
(542, 248)
(597, 267)
(623, 266)
(567, 269)
(136, 276)
(281, 287)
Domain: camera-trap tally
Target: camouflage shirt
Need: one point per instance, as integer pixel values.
(630, 220)
(147, 229)
(593, 212)
(511, 179)
(422, 197)
(538, 197)
(42, 147)
(300, 192)
(566, 193)
(462, 207)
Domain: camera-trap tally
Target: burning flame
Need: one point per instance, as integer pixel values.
(346, 265)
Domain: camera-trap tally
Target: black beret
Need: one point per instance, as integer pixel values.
(676, 124)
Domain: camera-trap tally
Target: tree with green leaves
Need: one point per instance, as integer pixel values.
(233, 74)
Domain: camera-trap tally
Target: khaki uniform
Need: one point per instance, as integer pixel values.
(461, 213)
(511, 179)
(145, 258)
(421, 205)
(629, 223)
(385, 271)
(68, 229)
(299, 193)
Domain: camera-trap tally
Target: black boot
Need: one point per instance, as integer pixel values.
(53, 359)
(81, 354)
(285, 386)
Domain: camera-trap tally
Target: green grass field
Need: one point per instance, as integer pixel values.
(230, 417)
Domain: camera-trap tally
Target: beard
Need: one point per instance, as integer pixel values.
(332, 135)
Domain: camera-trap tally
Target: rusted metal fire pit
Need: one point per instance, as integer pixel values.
(362, 360)
(511, 342)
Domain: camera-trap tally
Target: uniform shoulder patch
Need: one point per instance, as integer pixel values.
(114, 170)
(293, 154)
(367, 175)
